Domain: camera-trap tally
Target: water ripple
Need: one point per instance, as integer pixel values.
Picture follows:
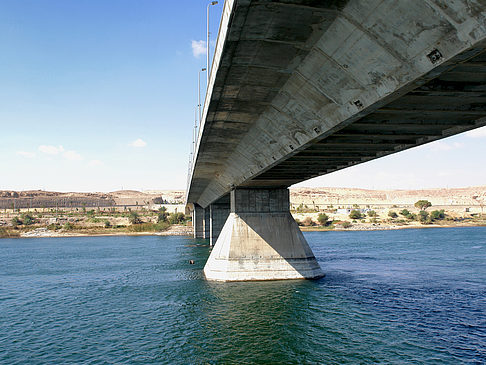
(388, 297)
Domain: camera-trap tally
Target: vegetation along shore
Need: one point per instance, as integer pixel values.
(51, 214)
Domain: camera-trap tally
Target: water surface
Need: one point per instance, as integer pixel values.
(408, 296)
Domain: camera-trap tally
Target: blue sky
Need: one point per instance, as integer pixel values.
(100, 95)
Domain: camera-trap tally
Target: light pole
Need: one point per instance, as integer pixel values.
(207, 44)
(194, 138)
(199, 92)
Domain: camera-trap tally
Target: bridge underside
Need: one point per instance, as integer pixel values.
(302, 88)
(453, 102)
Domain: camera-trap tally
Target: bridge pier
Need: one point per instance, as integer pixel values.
(260, 240)
(198, 221)
(206, 223)
(219, 212)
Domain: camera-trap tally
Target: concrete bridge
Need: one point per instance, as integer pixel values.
(302, 88)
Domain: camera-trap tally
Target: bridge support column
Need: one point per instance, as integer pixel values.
(198, 221)
(219, 214)
(261, 241)
(206, 223)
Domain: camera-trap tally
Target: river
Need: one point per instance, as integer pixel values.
(404, 296)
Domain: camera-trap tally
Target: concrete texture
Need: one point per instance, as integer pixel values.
(303, 88)
(206, 223)
(261, 241)
(198, 221)
(219, 214)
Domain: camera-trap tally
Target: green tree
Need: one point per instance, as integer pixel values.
(177, 218)
(90, 213)
(392, 214)
(27, 219)
(133, 218)
(355, 214)
(322, 218)
(107, 223)
(163, 215)
(372, 214)
(423, 216)
(423, 204)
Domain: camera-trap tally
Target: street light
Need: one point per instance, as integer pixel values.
(199, 92)
(194, 138)
(207, 44)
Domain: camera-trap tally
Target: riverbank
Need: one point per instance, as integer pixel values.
(174, 230)
(184, 230)
(386, 227)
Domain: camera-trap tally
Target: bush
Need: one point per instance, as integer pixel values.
(355, 214)
(107, 224)
(322, 218)
(423, 216)
(346, 224)
(307, 222)
(437, 215)
(27, 219)
(177, 218)
(90, 213)
(372, 214)
(68, 226)
(392, 214)
(405, 212)
(53, 227)
(148, 227)
(16, 222)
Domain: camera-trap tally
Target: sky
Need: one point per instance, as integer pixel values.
(99, 95)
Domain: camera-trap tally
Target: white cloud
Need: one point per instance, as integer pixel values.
(138, 143)
(26, 154)
(477, 133)
(95, 163)
(440, 146)
(72, 156)
(198, 48)
(51, 150)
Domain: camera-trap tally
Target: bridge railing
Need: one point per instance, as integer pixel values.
(216, 60)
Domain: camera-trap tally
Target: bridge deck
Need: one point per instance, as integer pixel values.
(301, 88)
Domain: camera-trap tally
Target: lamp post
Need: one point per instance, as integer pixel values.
(199, 92)
(194, 138)
(207, 43)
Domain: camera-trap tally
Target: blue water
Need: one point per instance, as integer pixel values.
(408, 296)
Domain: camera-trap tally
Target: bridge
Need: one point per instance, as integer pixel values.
(302, 88)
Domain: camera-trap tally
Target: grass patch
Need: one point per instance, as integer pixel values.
(9, 233)
(148, 227)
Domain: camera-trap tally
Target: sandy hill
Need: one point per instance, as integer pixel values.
(345, 196)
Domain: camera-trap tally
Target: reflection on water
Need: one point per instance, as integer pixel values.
(392, 296)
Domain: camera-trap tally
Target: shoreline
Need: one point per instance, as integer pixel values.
(388, 228)
(187, 231)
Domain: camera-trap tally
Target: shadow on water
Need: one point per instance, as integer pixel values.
(139, 300)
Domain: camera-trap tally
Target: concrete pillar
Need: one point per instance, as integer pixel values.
(219, 214)
(261, 241)
(206, 223)
(198, 221)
